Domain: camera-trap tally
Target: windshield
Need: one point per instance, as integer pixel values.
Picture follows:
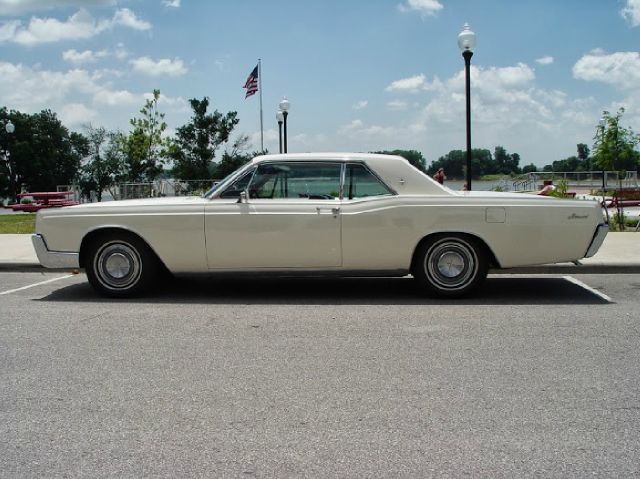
(220, 184)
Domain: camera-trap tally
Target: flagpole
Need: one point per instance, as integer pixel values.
(260, 88)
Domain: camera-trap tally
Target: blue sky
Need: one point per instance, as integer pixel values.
(361, 75)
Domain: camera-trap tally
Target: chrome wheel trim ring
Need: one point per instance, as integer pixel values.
(451, 264)
(117, 265)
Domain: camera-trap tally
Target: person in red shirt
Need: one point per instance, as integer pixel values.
(440, 176)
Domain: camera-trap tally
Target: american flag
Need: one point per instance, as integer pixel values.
(252, 83)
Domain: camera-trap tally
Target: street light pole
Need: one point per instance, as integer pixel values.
(466, 43)
(284, 107)
(280, 119)
(10, 128)
(601, 124)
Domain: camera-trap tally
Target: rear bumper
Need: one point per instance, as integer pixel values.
(53, 259)
(598, 239)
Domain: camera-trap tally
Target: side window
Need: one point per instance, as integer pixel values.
(315, 181)
(234, 189)
(360, 182)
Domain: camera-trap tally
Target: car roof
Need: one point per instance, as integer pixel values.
(329, 156)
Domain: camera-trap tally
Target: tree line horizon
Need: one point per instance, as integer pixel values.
(44, 153)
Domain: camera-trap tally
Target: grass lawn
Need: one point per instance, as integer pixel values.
(18, 224)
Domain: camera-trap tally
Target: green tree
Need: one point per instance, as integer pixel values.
(105, 164)
(234, 159)
(583, 155)
(412, 156)
(582, 162)
(505, 163)
(615, 147)
(43, 152)
(194, 148)
(572, 163)
(144, 147)
(530, 168)
(454, 163)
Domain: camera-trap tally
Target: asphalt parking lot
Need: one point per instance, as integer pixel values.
(533, 376)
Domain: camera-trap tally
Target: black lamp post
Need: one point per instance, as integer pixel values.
(601, 124)
(280, 119)
(10, 128)
(284, 108)
(466, 42)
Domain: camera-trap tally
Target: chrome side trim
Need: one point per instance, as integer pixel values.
(53, 259)
(598, 239)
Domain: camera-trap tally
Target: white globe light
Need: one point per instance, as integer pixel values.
(279, 116)
(466, 39)
(10, 127)
(284, 104)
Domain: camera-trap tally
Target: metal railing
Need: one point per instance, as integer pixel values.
(160, 188)
(574, 179)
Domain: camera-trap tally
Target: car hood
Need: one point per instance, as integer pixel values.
(109, 207)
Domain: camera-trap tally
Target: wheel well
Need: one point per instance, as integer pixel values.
(95, 234)
(493, 261)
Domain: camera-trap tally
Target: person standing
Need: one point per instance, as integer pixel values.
(440, 176)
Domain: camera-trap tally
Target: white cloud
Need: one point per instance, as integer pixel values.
(162, 67)
(620, 69)
(426, 7)
(507, 109)
(412, 84)
(77, 95)
(415, 84)
(87, 56)
(631, 13)
(20, 7)
(80, 25)
(108, 97)
(127, 18)
(360, 105)
(8, 30)
(397, 105)
(171, 3)
(358, 129)
(120, 52)
(546, 60)
(77, 114)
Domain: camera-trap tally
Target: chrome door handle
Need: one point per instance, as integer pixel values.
(334, 211)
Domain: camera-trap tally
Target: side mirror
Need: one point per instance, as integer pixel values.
(244, 197)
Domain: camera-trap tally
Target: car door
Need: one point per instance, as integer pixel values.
(373, 223)
(290, 219)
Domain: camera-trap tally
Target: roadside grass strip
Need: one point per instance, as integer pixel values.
(18, 223)
(40, 283)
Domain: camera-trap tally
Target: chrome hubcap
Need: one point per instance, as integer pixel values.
(117, 265)
(451, 264)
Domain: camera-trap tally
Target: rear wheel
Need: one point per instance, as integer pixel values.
(120, 264)
(450, 265)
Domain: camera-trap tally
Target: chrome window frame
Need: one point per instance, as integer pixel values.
(392, 191)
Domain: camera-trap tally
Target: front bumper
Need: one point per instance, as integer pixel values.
(598, 239)
(53, 259)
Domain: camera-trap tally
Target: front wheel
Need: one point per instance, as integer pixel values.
(120, 265)
(450, 265)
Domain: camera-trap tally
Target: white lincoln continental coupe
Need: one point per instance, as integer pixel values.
(323, 213)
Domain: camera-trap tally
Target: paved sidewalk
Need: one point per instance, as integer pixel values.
(620, 253)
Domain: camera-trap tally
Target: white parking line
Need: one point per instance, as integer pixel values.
(37, 284)
(600, 294)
